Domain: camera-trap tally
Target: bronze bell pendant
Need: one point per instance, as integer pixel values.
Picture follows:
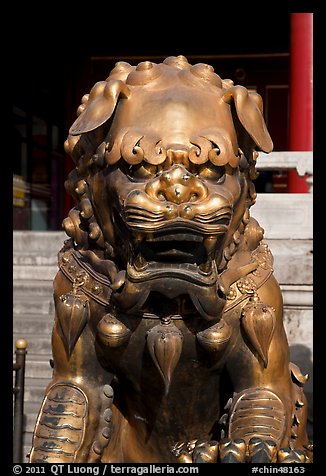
(112, 332)
(216, 337)
(258, 321)
(73, 314)
(164, 343)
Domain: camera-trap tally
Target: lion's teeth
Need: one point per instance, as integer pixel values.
(176, 237)
(210, 246)
(206, 268)
(140, 262)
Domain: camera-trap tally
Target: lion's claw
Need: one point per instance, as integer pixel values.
(286, 455)
(228, 450)
(232, 451)
(205, 452)
(262, 451)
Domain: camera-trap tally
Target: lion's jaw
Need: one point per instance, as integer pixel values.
(176, 224)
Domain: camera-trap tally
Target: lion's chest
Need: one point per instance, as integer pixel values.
(167, 378)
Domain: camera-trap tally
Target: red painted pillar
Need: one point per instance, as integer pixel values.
(301, 87)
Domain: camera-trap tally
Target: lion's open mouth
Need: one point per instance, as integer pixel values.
(178, 258)
(177, 252)
(173, 257)
(176, 248)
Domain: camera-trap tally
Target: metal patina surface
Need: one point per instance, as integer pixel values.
(168, 341)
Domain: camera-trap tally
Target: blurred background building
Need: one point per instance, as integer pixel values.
(273, 57)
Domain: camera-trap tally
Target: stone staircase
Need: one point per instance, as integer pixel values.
(34, 267)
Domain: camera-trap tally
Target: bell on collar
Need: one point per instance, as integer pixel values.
(164, 343)
(112, 332)
(216, 337)
(73, 314)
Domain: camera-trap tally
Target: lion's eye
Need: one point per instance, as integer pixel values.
(211, 172)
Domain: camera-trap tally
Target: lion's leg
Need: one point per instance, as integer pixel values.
(265, 417)
(268, 401)
(75, 420)
(74, 423)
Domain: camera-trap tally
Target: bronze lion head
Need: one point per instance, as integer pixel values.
(165, 156)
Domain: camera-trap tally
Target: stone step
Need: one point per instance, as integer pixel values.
(22, 272)
(33, 305)
(28, 434)
(35, 388)
(31, 410)
(42, 242)
(26, 449)
(33, 258)
(293, 261)
(297, 296)
(285, 216)
(38, 368)
(36, 358)
(33, 325)
(35, 287)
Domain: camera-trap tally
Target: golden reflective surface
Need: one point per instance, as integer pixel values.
(168, 342)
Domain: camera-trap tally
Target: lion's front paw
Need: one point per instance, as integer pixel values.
(258, 451)
(196, 451)
(286, 455)
(238, 451)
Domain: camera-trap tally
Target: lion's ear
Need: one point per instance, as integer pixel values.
(100, 106)
(249, 109)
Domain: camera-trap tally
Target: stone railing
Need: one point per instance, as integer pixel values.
(287, 160)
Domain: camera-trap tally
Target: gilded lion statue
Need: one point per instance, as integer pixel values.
(168, 339)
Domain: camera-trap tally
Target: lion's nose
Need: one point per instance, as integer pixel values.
(177, 185)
